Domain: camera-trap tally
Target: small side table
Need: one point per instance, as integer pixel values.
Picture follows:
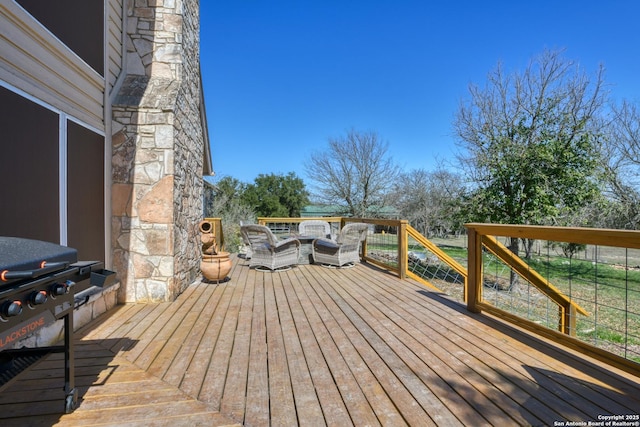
(306, 249)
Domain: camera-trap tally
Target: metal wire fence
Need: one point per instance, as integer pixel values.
(382, 245)
(506, 290)
(430, 266)
(605, 281)
(286, 227)
(602, 280)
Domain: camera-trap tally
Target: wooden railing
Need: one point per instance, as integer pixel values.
(482, 239)
(396, 246)
(216, 224)
(285, 226)
(389, 241)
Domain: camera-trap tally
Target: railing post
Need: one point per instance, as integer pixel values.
(568, 319)
(403, 241)
(216, 224)
(473, 289)
(363, 249)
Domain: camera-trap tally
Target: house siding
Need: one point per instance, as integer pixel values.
(146, 111)
(114, 42)
(34, 61)
(54, 148)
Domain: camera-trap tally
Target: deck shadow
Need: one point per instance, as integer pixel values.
(36, 396)
(555, 351)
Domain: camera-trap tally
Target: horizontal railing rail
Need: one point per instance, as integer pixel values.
(289, 226)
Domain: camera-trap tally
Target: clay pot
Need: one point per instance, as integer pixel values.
(215, 267)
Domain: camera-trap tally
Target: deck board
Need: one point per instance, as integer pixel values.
(172, 340)
(283, 410)
(232, 400)
(367, 356)
(257, 396)
(311, 379)
(155, 334)
(303, 402)
(341, 356)
(529, 371)
(406, 335)
(217, 370)
(481, 371)
(316, 346)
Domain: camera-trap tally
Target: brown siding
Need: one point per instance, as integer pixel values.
(85, 192)
(29, 181)
(77, 23)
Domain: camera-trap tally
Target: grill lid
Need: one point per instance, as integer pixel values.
(26, 254)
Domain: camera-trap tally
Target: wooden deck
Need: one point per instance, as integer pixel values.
(311, 347)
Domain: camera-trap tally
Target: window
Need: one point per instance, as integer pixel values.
(51, 177)
(29, 172)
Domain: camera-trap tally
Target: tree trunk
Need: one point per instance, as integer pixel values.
(514, 247)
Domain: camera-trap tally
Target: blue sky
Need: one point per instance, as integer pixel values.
(281, 77)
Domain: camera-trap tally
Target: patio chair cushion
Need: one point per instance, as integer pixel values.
(267, 250)
(346, 248)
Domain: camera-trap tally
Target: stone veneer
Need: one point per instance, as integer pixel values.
(158, 149)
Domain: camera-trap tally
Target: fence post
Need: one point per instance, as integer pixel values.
(403, 242)
(568, 315)
(473, 289)
(216, 225)
(363, 249)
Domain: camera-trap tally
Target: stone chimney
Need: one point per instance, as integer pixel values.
(158, 148)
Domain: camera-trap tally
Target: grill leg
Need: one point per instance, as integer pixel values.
(71, 398)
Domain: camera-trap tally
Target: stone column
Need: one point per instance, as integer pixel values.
(157, 152)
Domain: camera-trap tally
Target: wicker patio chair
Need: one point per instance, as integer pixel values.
(267, 251)
(246, 244)
(315, 228)
(344, 250)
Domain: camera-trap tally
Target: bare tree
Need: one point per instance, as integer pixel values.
(621, 155)
(430, 200)
(355, 172)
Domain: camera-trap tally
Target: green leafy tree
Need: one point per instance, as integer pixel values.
(276, 195)
(229, 188)
(528, 143)
(223, 200)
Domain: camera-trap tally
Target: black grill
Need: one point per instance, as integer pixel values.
(37, 287)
